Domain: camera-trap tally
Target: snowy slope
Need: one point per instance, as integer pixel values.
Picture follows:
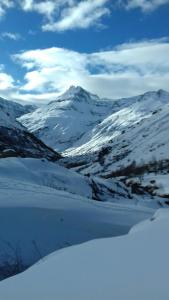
(137, 133)
(13, 109)
(122, 268)
(42, 209)
(44, 173)
(9, 111)
(62, 124)
(130, 112)
(144, 142)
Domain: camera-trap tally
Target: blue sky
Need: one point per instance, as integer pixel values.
(112, 48)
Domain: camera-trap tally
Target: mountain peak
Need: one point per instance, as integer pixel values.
(74, 91)
(76, 94)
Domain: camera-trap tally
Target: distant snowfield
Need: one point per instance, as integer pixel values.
(38, 219)
(129, 267)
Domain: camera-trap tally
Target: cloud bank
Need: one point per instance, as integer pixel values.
(126, 70)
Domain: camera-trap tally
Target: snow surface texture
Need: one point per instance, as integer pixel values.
(44, 173)
(42, 210)
(123, 268)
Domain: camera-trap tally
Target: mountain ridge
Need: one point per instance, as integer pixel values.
(56, 122)
(70, 121)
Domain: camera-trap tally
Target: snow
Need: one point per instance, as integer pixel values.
(44, 173)
(81, 125)
(79, 122)
(7, 121)
(15, 140)
(64, 122)
(128, 267)
(10, 110)
(118, 125)
(137, 133)
(159, 181)
(46, 205)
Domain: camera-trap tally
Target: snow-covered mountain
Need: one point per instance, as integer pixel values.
(106, 137)
(143, 142)
(136, 133)
(130, 145)
(78, 122)
(13, 109)
(129, 113)
(15, 140)
(62, 123)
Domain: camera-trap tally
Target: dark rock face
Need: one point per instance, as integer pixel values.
(18, 142)
(15, 140)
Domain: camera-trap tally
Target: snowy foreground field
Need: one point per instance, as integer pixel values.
(37, 219)
(42, 210)
(130, 267)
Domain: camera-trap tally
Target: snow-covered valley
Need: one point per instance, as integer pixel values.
(79, 176)
(42, 211)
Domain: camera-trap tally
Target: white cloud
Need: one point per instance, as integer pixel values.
(142, 57)
(127, 70)
(81, 15)
(4, 5)
(48, 68)
(31, 97)
(11, 35)
(6, 81)
(8, 85)
(46, 7)
(62, 15)
(144, 5)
